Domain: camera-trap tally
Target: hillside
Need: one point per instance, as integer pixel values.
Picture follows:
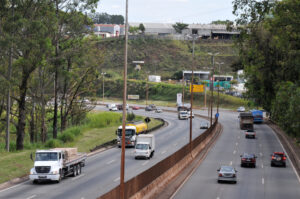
(164, 57)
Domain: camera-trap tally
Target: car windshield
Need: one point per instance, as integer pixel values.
(278, 154)
(47, 156)
(248, 155)
(142, 146)
(250, 131)
(128, 132)
(226, 169)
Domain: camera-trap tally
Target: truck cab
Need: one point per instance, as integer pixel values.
(145, 146)
(130, 136)
(48, 165)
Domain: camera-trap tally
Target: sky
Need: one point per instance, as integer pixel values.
(170, 11)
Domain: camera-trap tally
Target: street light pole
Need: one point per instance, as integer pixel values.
(183, 88)
(122, 172)
(212, 85)
(103, 74)
(219, 86)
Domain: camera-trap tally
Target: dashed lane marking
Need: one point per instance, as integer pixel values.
(30, 197)
(117, 179)
(230, 163)
(163, 152)
(110, 162)
(263, 181)
(145, 163)
(234, 152)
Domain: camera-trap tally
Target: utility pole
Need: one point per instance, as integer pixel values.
(212, 85)
(183, 88)
(103, 74)
(219, 86)
(122, 172)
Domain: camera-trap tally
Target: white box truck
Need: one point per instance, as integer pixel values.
(145, 146)
(54, 164)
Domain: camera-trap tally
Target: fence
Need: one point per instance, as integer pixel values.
(140, 181)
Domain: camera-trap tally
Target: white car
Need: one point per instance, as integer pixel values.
(182, 115)
(189, 114)
(158, 110)
(241, 109)
(227, 173)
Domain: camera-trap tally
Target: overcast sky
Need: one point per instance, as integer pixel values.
(170, 11)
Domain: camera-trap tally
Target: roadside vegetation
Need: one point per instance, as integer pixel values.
(97, 129)
(269, 54)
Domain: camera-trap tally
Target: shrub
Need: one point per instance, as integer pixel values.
(53, 143)
(66, 137)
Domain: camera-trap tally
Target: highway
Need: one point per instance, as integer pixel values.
(102, 170)
(262, 182)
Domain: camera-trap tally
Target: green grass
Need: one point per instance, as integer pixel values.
(98, 128)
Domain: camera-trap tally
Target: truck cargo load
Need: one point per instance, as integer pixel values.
(257, 116)
(246, 121)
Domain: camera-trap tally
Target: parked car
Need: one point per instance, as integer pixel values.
(135, 107)
(241, 109)
(278, 159)
(227, 173)
(248, 160)
(204, 125)
(158, 110)
(250, 134)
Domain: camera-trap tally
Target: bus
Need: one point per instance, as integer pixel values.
(257, 115)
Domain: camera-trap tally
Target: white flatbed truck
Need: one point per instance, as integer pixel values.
(54, 164)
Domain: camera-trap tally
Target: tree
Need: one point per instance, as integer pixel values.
(104, 18)
(133, 29)
(142, 28)
(179, 27)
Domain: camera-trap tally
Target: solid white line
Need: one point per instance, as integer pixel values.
(14, 186)
(80, 176)
(117, 179)
(163, 152)
(263, 181)
(30, 197)
(234, 152)
(110, 162)
(286, 155)
(145, 163)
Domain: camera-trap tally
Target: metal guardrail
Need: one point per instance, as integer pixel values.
(140, 181)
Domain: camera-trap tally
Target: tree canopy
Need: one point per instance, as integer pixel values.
(179, 27)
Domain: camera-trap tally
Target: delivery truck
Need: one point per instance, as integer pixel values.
(132, 129)
(54, 164)
(145, 146)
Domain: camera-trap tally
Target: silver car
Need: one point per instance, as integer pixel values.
(227, 173)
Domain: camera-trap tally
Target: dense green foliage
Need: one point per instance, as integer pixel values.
(104, 18)
(270, 55)
(179, 27)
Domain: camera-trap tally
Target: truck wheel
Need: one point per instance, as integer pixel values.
(74, 171)
(78, 169)
(35, 181)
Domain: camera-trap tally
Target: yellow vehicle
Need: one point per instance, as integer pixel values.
(132, 129)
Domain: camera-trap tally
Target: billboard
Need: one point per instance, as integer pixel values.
(133, 97)
(197, 88)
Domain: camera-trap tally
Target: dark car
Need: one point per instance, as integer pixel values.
(250, 134)
(278, 159)
(148, 108)
(248, 160)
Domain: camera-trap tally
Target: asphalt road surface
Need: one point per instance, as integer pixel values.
(102, 171)
(262, 182)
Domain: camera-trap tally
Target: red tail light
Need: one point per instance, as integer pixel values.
(220, 174)
(244, 159)
(284, 158)
(273, 157)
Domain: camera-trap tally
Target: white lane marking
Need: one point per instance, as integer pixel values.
(80, 176)
(175, 144)
(261, 154)
(262, 166)
(163, 152)
(230, 163)
(218, 198)
(14, 186)
(82, 198)
(110, 162)
(117, 179)
(30, 197)
(234, 152)
(286, 155)
(145, 163)
(263, 181)
(184, 138)
(236, 143)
